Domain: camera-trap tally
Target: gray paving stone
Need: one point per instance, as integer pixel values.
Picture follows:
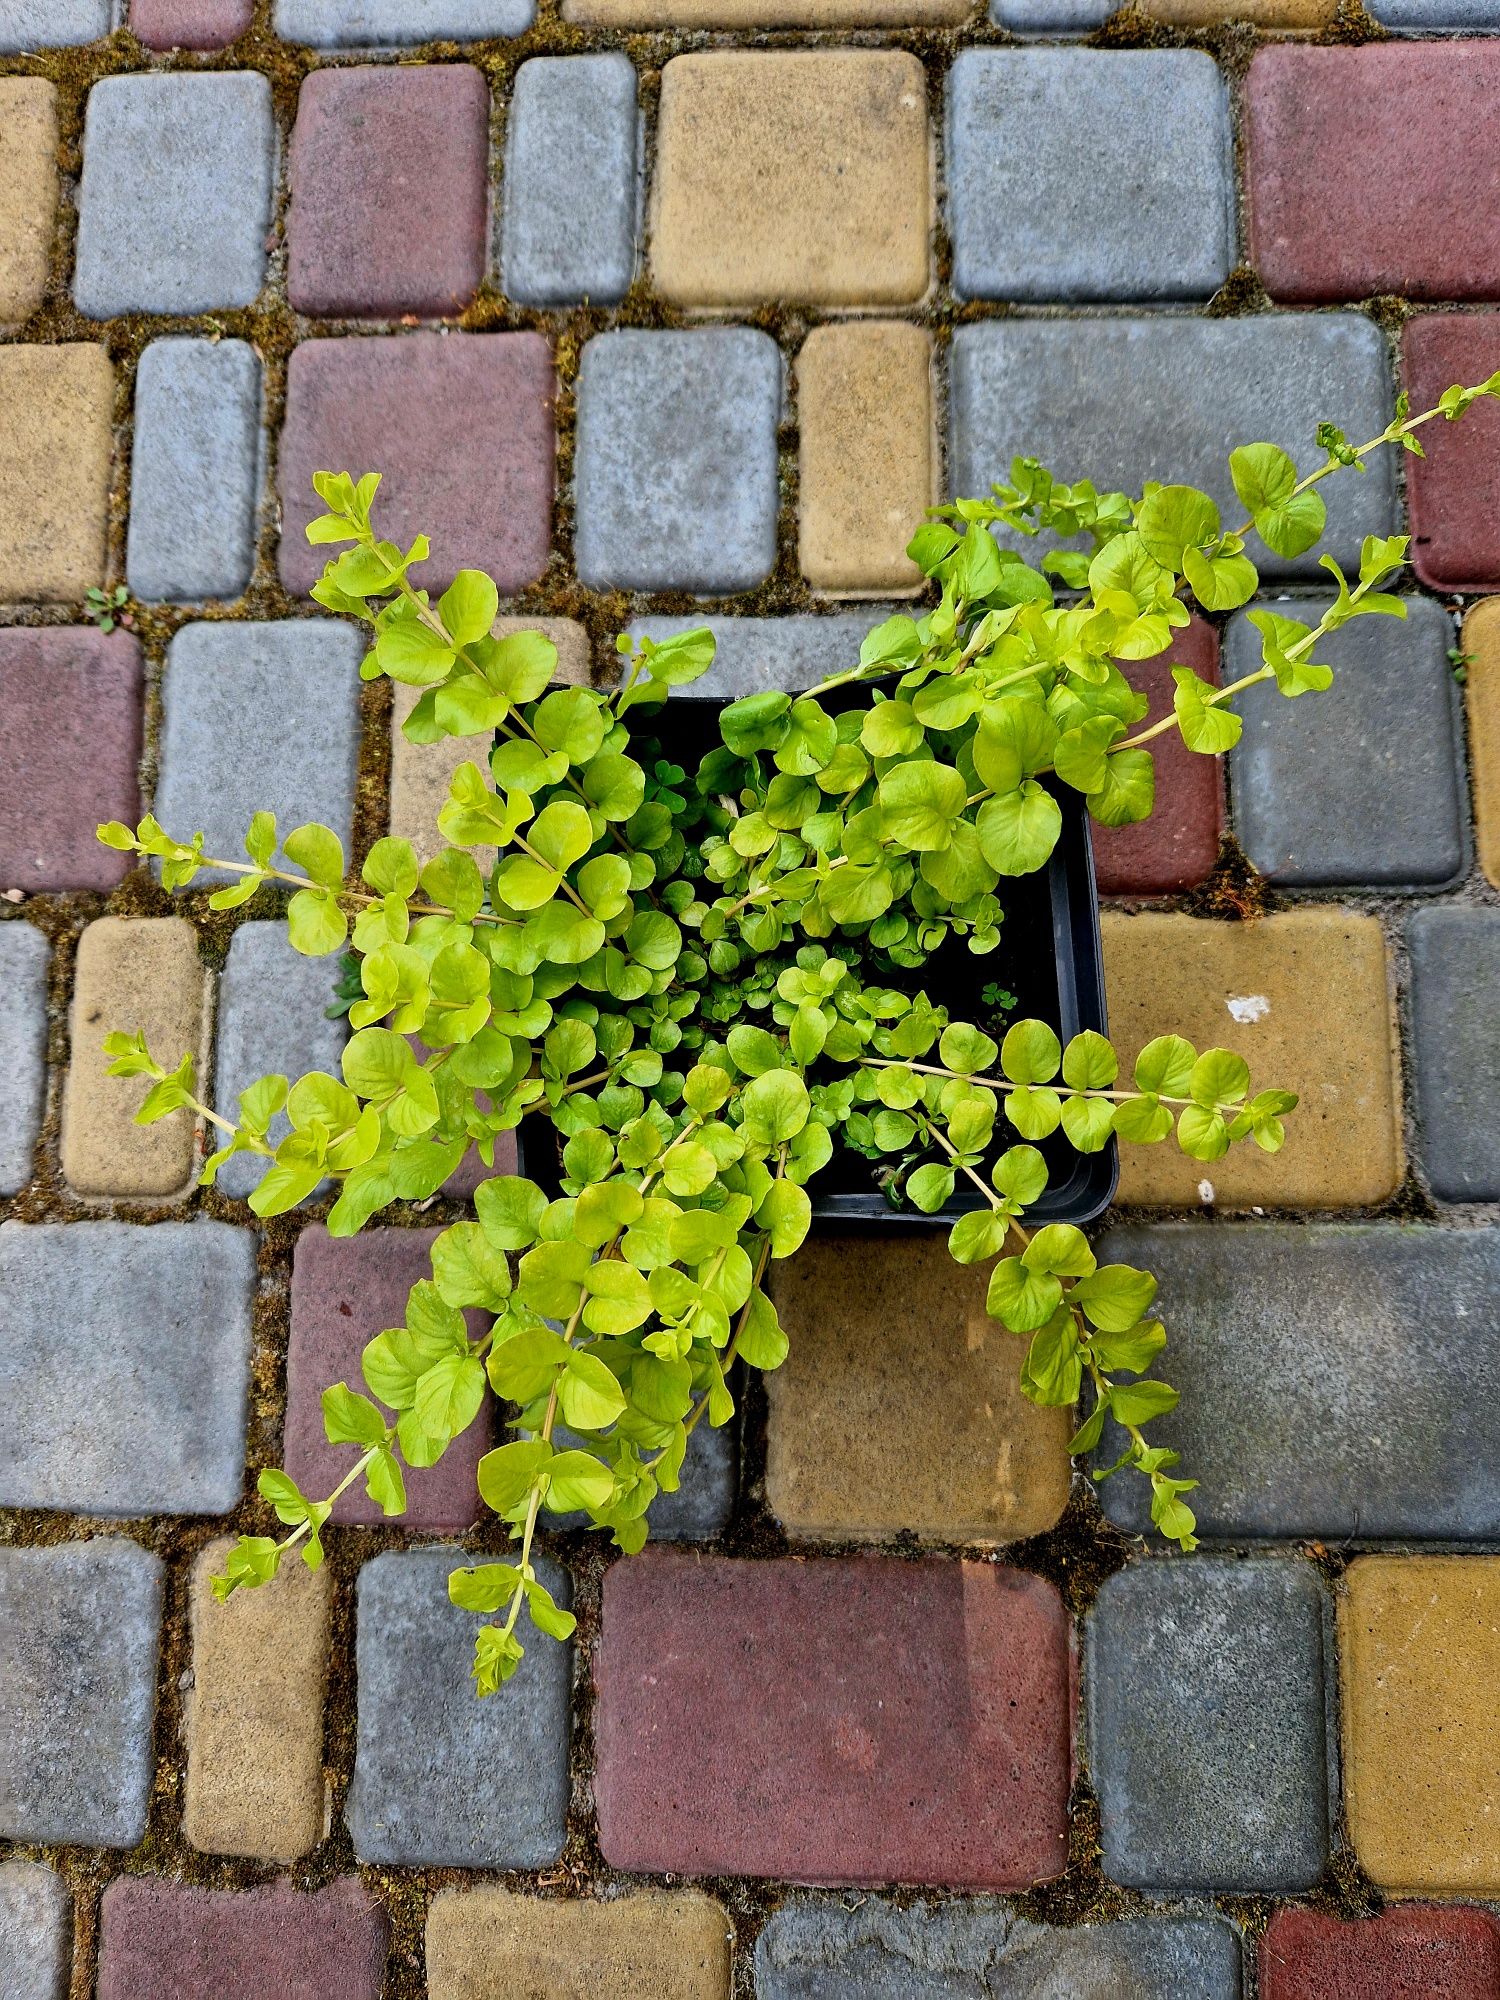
(273, 1020)
(35, 1932)
(1308, 1406)
(571, 184)
(1208, 1743)
(442, 1779)
(704, 1501)
(160, 155)
(676, 460)
(259, 717)
(53, 24)
(1154, 216)
(1121, 401)
(128, 1353)
(1050, 17)
(754, 653)
(1426, 17)
(24, 954)
(962, 1951)
(353, 24)
(1359, 785)
(1455, 976)
(194, 470)
(78, 1638)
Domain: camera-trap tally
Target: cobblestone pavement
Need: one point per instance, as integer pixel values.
(636, 302)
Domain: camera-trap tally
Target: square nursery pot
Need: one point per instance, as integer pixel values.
(1050, 957)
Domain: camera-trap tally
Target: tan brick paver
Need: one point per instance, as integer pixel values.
(28, 175)
(767, 13)
(1481, 644)
(792, 176)
(132, 973)
(898, 1406)
(56, 409)
(1305, 998)
(1419, 1640)
(670, 1946)
(254, 1714)
(1291, 14)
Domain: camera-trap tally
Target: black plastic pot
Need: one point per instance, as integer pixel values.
(1049, 956)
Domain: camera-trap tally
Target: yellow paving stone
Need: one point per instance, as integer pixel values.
(651, 1945)
(768, 13)
(56, 411)
(1419, 1650)
(132, 973)
(1263, 13)
(28, 174)
(1305, 998)
(254, 1714)
(864, 412)
(420, 772)
(898, 1405)
(1481, 643)
(800, 176)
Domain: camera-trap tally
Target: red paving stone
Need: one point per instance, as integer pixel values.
(1370, 170)
(1178, 846)
(460, 425)
(1411, 1953)
(165, 1941)
(345, 1290)
(1454, 492)
(852, 1720)
(190, 24)
(72, 702)
(388, 177)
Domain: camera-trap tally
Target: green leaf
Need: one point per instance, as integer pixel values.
(1264, 477)
(775, 1107)
(385, 1485)
(1165, 1066)
(753, 1050)
(1088, 1123)
(1205, 725)
(510, 1211)
(786, 1213)
(618, 1300)
(587, 1390)
(1294, 674)
(1139, 1402)
(1021, 1298)
(1220, 583)
(1060, 1249)
(978, 1236)
(1021, 1175)
(506, 1476)
(468, 607)
(1018, 830)
(485, 1588)
(919, 803)
(929, 1187)
(578, 1479)
(318, 852)
(1115, 1297)
(761, 1340)
(469, 1269)
(1219, 1077)
(1030, 1053)
(448, 1395)
(349, 1418)
(682, 657)
(1089, 1062)
(315, 925)
(1173, 519)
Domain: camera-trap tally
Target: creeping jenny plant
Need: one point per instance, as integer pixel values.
(708, 981)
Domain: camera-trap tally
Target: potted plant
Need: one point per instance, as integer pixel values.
(704, 990)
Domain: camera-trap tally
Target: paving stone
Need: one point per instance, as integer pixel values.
(898, 1407)
(389, 170)
(1308, 1411)
(72, 698)
(792, 176)
(1480, 644)
(162, 1429)
(753, 653)
(868, 454)
(676, 460)
(1178, 846)
(194, 470)
(1048, 17)
(159, 153)
(180, 1943)
(345, 24)
(1403, 1954)
(24, 955)
(671, 1944)
(703, 1504)
(52, 24)
(1154, 217)
(1359, 785)
(421, 772)
(78, 1637)
(1455, 962)
(425, 1791)
(35, 1932)
(1426, 16)
(874, 1720)
(1352, 182)
(1419, 1646)
(273, 1021)
(56, 417)
(190, 24)
(253, 1716)
(137, 975)
(1260, 13)
(1454, 492)
(1208, 1745)
(461, 427)
(259, 717)
(823, 1950)
(345, 1290)
(679, 14)
(572, 181)
(1305, 998)
(1167, 398)
(28, 171)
